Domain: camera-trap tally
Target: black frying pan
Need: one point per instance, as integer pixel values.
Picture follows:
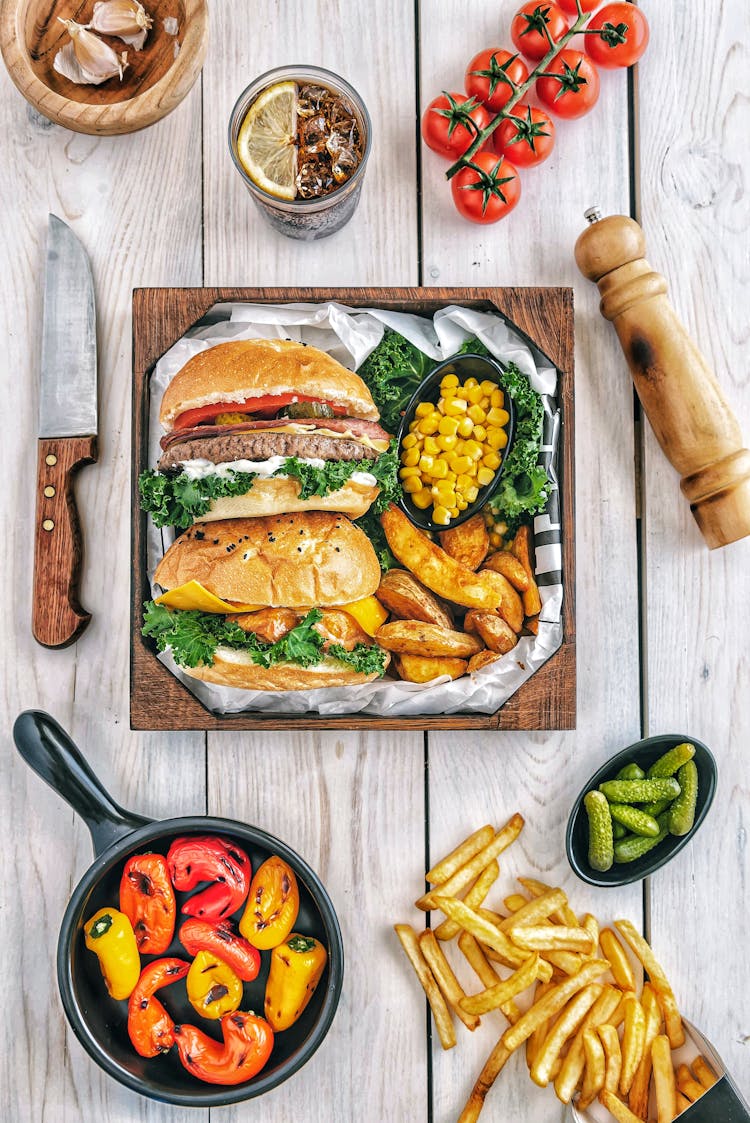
(98, 1021)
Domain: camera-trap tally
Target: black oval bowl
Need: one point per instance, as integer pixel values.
(464, 366)
(643, 753)
(100, 1023)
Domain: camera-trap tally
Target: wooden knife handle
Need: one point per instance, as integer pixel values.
(57, 617)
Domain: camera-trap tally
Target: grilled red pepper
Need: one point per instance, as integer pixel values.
(247, 1045)
(150, 1027)
(222, 940)
(148, 901)
(210, 858)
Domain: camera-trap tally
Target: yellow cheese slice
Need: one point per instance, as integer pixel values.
(193, 595)
(369, 614)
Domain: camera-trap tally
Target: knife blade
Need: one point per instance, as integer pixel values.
(67, 435)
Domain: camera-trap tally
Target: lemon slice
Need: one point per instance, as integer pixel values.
(266, 145)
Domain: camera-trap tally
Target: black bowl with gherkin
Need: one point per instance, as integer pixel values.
(628, 830)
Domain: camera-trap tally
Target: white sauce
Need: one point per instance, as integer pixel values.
(199, 469)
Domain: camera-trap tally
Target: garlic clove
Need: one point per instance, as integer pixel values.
(126, 19)
(96, 59)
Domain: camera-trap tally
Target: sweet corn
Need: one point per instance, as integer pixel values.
(453, 448)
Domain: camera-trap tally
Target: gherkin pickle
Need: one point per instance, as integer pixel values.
(668, 764)
(682, 811)
(639, 791)
(601, 848)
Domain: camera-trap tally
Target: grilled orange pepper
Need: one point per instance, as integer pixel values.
(150, 1028)
(296, 969)
(212, 986)
(109, 934)
(247, 1045)
(147, 899)
(272, 905)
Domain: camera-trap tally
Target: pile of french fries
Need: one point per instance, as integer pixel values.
(587, 1030)
(495, 591)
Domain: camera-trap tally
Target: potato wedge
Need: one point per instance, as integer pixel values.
(467, 543)
(405, 597)
(412, 637)
(496, 632)
(482, 659)
(508, 564)
(420, 668)
(445, 576)
(532, 602)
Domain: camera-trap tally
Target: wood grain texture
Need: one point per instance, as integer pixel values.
(57, 617)
(158, 700)
(695, 168)
(486, 777)
(155, 79)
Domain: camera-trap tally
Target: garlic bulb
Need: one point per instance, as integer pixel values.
(126, 19)
(88, 59)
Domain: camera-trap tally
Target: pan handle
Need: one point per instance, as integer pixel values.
(47, 748)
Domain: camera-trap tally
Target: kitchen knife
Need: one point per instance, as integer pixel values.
(67, 436)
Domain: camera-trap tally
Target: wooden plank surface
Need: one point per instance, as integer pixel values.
(486, 777)
(694, 160)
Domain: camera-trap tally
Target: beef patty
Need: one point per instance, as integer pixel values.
(261, 445)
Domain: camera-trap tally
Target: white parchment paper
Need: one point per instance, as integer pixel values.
(349, 335)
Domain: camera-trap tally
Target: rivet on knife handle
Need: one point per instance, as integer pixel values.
(57, 616)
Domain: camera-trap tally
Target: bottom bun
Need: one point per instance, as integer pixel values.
(280, 495)
(236, 668)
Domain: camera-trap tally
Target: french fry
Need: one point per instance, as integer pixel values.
(683, 1103)
(424, 668)
(639, 1089)
(402, 594)
(494, 630)
(658, 979)
(570, 1074)
(633, 1041)
(472, 869)
(688, 1085)
(470, 846)
(488, 934)
(482, 659)
(495, 918)
(414, 637)
(564, 915)
(479, 890)
(536, 1040)
(550, 937)
(616, 1107)
(502, 561)
(515, 902)
(488, 976)
(565, 1026)
(492, 1068)
(664, 1081)
(535, 911)
(503, 991)
(595, 1071)
(467, 543)
(591, 924)
(443, 975)
(440, 1011)
(532, 601)
(613, 950)
(565, 962)
(612, 1056)
(553, 1002)
(703, 1072)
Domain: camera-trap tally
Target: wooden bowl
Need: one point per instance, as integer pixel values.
(155, 81)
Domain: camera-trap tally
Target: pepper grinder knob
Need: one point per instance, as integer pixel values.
(681, 397)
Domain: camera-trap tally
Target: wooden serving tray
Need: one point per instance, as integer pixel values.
(160, 316)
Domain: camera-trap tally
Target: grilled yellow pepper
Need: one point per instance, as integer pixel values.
(296, 968)
(109, 934)
(212, 986)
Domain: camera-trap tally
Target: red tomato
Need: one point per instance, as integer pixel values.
(265, 403)
(527, 137)
(624, 35)
(492, 74)
(528, 28)
(488, 190)
(573, 88)
(450, 123)
(586, 6)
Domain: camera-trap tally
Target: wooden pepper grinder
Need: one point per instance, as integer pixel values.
(683, 401)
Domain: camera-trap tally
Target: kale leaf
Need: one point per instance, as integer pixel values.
(393, 371)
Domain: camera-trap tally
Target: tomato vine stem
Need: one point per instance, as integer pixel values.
(518, 92)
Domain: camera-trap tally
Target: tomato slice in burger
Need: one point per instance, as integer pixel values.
(267, 405)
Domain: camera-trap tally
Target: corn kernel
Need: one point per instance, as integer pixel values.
(473, 450)
(471, 493)
(410, 457)
(458, 464)
(408, 473)
(424, 409)
(461, 504)
(464, 482)
(497, 438)
(448, 426)
(441, 516)
(472, 468)
(426, 463)
(448, 393)
(465, 427)
(439, 470)
(445, 442)
(488, 387)
(422, 499)
(429, 425)
(412, 485)
(413, 426)
(455, 407)
(491, 460)
(431, 446)
(448, 380)
(470, 384)
(497, 417)
(441, 406)
(453, 512)
(485, 476)
(495, 539)
(480, 433)
(475, 396)
(496, 398)
(451, 477)
(501, 528)
(476, 413)
(409, 441)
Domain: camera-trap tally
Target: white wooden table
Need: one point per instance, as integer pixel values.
(662, 624)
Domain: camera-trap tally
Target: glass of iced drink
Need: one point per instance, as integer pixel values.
(300, 137)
